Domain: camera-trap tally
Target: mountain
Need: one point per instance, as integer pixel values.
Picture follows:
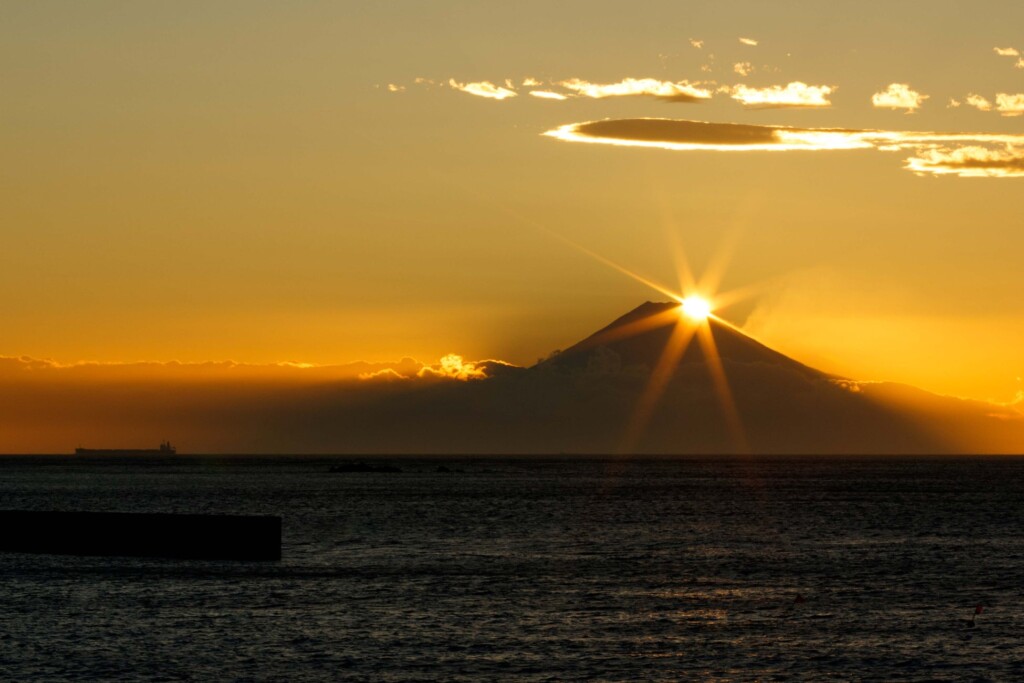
(639, 338)
(769, 403)
(618, 391)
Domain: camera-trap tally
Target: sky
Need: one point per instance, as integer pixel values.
(329, 182)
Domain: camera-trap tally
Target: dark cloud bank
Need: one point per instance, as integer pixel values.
(580, 401)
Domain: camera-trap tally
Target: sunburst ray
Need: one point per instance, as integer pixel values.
(716, 369)
(657, 383)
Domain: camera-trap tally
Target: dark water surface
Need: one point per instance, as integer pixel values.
(535, 570)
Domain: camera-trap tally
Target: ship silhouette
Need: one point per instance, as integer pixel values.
(165, 449)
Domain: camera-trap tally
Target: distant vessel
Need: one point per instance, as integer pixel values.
(165, 449)
(362, 467)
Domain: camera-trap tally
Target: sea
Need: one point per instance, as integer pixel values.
(530, 569)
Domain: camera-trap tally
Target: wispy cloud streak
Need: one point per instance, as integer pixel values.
(548, 95)
(483, 89)
(679, 91)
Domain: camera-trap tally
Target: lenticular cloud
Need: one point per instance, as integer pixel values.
(987, 155)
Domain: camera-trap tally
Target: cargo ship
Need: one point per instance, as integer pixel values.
(165, 449)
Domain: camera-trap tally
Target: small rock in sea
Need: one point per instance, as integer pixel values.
(360, 467)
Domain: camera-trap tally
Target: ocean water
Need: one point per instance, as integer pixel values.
(535, 570)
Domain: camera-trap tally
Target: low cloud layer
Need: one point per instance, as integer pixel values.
(898, 96)
(451, 408)
(964, 155)
(451, 366)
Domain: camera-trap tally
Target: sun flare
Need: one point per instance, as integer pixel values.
(696, 307)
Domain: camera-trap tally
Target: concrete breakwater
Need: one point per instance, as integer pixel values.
(182, 536)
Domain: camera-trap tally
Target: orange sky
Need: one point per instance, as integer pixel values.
(326, 182)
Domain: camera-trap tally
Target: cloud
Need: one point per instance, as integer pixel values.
(681, 91)
(483, 89)
(176, 371)
(795, 94)
(898, 96)
(453, 366)
(671, 134)
(1006, 104)
(548, 95)
(696, 43)
(385, 374)
(970, 162)
(1007, 51)
(1010, 105)
(394, 87)
(961, 154)
(450, 367)
(978, 102)
(669, 91)
(748, 41)
(743, 68)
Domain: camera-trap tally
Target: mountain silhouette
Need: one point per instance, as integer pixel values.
(769, 403)
(618, 391)
(640, 337)
(651, 382)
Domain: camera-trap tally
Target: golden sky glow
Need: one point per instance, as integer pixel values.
(331, 182)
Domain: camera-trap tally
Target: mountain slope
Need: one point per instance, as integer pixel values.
(639, 338)
(769, 403)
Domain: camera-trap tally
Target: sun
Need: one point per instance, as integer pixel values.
(696, 307)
